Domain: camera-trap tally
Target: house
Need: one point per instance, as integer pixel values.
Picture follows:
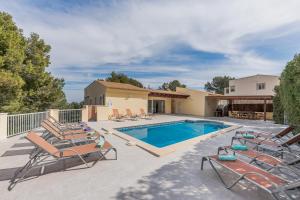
(104, 96)
(251, 97)
(252, 85)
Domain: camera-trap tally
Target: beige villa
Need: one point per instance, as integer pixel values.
(109, 95)
(248, 97)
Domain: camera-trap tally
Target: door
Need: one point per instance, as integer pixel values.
(92, 113)
(158, 106)
(173, 106)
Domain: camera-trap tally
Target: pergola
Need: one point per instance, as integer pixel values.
(167, 94)
(250, 97)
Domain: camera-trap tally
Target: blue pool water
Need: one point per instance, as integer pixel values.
(164, 134)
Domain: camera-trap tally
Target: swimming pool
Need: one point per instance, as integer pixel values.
(165, 134)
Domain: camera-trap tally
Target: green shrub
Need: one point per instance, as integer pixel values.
(290, 91)
(278, 111)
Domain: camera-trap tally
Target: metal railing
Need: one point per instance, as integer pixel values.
(70, 115)
(21, 123)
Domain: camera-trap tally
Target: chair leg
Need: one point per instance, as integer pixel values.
(202, 162)
(216, 171)
(220, 177)
(116, 153)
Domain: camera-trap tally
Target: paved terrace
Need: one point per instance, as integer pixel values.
(135, 175)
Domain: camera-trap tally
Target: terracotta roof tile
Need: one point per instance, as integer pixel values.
(120, 86)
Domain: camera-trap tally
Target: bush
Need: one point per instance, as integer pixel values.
(278, 111)
(290, 91)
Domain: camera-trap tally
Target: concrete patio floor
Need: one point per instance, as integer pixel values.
(135, 175)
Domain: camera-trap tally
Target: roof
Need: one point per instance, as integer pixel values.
(167, 93)
(124, 86)
(244, 97)
(257, 75)
(158, 93)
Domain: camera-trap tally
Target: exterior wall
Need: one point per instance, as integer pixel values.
(85, 114)
(247, 85)
(195, 104)
(210, 107)
(93, 92)
(168, 103)
(123, 99)
(103, 112)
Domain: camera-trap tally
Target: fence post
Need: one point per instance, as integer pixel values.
(3, 126)
(85, 114)
(54, 113)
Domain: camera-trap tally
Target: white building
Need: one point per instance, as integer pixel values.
(252, 86)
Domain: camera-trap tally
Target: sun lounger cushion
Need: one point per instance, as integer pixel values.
(245, 132)
(91, 133)
(248, 136)
(227, 157)
(239, 147)
(87, 129)
(101, 142)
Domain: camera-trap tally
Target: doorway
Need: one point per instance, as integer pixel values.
(156, 106)
(92, 113)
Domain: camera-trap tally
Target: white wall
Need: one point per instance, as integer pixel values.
(247, 86)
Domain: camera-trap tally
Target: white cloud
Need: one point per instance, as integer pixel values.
(131, 31)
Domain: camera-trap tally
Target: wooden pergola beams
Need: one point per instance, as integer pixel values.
(250, 97)
(167, 95)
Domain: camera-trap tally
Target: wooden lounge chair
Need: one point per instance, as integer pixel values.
(48, 150)
(268, 135)
(261, 178)
(263, 158)
(62, 136)
(269, 144)
(116, 116)
(63, 131)
(130, 116)
(144, 115)
(79, 125)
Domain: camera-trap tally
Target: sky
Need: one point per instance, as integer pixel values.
(159, 41)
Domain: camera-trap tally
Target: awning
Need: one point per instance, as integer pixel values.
(167, 94)
(244, 97)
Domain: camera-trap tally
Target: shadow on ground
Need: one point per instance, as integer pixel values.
(16, 152)
(183, 179)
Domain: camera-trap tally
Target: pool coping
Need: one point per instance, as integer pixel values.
(156, 151)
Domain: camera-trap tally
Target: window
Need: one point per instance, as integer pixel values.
(150, 106)
(100, 100)
(260, 86)
(226, 90)
(232, 88)
(86, 100)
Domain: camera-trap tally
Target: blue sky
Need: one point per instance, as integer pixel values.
(158, 41)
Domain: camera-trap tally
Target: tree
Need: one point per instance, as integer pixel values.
(75, 105)
(290, 90)
(10, 92)
(218, 84)
(171, 85)
(12, 45)
(41, 89)
(122, 78)
(278, 110)
(24, 83)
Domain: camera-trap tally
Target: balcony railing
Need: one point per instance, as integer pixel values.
(70, 115)
(21, 123)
